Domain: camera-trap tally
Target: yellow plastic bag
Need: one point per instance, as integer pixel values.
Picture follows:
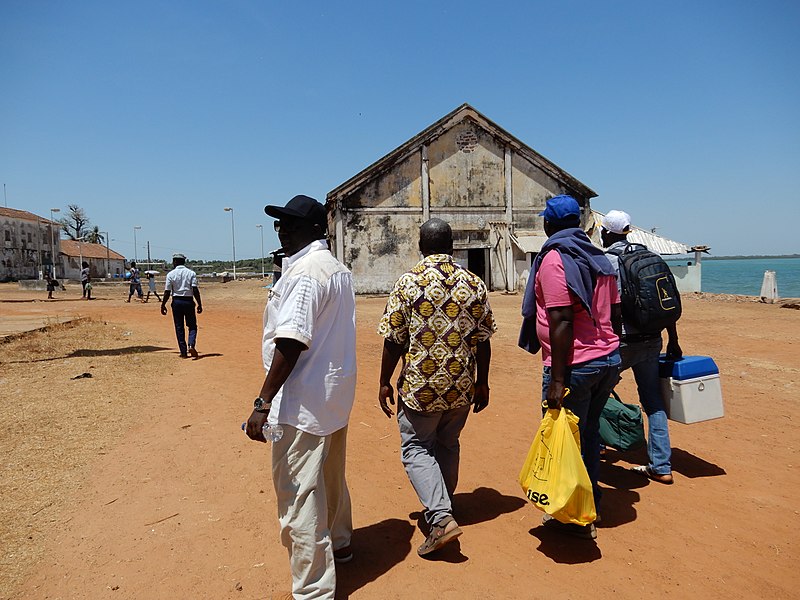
(554, 477)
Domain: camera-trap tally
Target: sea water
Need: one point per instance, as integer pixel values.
(745, 275)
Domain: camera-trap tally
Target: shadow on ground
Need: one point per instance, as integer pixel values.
(683, 462)
(484, 504)
(99, 352)
(691, 466)
(376, 549)
(565, 549)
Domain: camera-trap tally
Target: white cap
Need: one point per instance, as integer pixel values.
(617, 221)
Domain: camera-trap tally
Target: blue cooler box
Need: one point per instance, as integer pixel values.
(691, 389)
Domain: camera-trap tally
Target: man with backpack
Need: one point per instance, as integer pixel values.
(650, 304)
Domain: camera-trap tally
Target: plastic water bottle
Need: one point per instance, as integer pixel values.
(271, 433)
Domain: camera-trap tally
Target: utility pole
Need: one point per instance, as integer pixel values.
(261, 227)
(149, 265)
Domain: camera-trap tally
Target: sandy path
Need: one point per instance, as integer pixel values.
(183, 506)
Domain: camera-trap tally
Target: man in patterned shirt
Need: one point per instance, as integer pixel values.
(438, 319)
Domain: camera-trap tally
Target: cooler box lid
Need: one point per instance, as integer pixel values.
(687, 367)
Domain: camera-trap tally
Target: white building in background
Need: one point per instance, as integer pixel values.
(29, 243)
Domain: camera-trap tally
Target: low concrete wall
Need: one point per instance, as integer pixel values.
(687, 277)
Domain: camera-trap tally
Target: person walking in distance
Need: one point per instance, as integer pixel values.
(309, 354)
(640, 352)
(151, 287)
(85, 278)
(135, 283)
(181, 285)
(438, 319)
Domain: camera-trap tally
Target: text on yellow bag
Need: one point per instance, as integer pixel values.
(554, 477)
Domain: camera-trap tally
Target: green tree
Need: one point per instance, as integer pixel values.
(94, 236)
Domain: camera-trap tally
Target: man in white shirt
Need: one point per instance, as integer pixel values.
(308, 350)
(181, 284)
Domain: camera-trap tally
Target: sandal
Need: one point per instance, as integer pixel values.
(648, 472)
(439, 536)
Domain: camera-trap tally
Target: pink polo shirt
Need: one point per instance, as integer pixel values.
(593, 338)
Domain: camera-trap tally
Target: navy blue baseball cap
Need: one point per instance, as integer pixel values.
(300, 207)
(561, 208)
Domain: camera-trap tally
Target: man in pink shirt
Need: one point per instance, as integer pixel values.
(571, 311)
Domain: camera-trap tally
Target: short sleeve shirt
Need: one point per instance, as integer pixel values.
(594, 336)
(135, 275)
(180, 281)
(313, 303)
(439, 311)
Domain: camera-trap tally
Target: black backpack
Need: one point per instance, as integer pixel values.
(650, 298)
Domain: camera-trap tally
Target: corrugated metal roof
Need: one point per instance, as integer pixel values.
(654, 243)
(529, 243)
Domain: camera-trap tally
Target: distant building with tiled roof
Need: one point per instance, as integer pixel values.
(102, 260)
(28, 244)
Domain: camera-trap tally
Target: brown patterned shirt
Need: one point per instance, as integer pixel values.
(439, 312)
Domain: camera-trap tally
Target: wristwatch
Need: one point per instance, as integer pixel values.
(261, 405)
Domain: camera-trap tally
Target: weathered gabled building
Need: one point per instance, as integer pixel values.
(466, 170)
(103, 261)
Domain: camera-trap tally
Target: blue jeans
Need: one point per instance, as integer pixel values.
(183, 310)
(642, 357)
(589, 384)
(430, 452)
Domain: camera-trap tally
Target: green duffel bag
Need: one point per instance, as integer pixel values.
(621, 425)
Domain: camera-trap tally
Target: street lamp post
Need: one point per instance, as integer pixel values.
(52, 243)
(80, 251)
(261, 227)
(135, 255)
(108, 255)
(233, 238)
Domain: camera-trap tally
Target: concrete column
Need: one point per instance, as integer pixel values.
(338, 218)
(511, 280)
(426, 186)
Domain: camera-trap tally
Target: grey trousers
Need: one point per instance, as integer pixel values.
(430, 452)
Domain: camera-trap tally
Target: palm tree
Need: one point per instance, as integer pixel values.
(94, 236)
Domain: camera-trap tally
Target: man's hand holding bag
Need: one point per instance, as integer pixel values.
(554, 477)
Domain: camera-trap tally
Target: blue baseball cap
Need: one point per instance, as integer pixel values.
(561, 208)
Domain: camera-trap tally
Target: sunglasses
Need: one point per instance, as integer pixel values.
(286, 225)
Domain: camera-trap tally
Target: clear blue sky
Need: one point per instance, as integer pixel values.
(685, 114)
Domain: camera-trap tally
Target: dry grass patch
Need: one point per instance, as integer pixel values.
(54, 426)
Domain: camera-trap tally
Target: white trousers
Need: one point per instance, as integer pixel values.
(313, 507)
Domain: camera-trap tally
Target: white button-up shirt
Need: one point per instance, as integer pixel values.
(180, 281)
(313, 302)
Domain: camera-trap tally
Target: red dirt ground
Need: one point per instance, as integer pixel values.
(183, 507)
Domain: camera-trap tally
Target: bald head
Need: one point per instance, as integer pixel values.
(435, 237)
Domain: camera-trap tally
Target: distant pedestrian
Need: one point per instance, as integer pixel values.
(51, 286)
(151, 287)
(135, 283)
(85, 276)
(181, 284)
(438, 320)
